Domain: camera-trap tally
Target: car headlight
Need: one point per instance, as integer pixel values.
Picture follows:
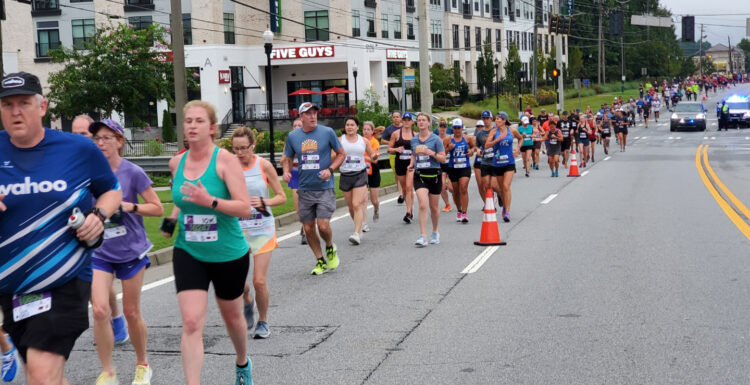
(700, 116)
(675, 117)
(746, 115)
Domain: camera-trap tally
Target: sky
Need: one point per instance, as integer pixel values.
(722, 18)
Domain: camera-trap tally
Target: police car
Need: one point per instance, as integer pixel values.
(688, 115)
(739, 111)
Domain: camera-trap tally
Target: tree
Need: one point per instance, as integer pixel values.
(118, 70)
(442, 80)
(512, 66)
(541, 63)
(744, 45)
(486, 69)
(167, 127)
(575, 63)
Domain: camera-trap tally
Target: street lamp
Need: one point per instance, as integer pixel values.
(521, 74)
(268, 40)
(354, 72)
(497, 92)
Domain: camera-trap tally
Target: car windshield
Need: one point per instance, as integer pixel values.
(682, 107)
(739, 106)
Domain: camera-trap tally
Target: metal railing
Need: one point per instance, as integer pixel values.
(285, 111)
(137, 148)
(45, 5)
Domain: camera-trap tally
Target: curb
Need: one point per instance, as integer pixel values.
(164, 256)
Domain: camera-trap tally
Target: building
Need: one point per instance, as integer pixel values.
(317, 45)
(719, 55)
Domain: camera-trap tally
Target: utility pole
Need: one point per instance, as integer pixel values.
(600, 59)
(424, 59)
(622, 59)
(534, 47)
(559, 61)
(178, 64)
(730, 67)
(700, 55)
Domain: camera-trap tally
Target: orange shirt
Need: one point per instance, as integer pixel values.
(375, 145)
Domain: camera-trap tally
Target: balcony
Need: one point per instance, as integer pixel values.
(139, 5)
(42, 51)
(410, 8)
(45, 8)
(466, 10)
(371, 3)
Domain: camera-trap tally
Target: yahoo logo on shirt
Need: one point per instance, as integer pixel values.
(29, 187)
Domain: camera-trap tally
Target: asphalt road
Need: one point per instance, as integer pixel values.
(630, 274)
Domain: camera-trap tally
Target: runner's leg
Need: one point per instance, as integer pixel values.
(193, 304)
(131, 307)
(103, 335)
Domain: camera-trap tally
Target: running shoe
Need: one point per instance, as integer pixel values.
(107, 379)
(435, 238)
(10, 363)
(400, 199)
(249, 311)
(447, 208)
(120, 329)
(261, 331)
(464, 219)
(421, 242)
(320, 267)
(354, 239)
(506, 216)
(552, 175)
(142, 375)
(244, 375)
(407, 218)
(365, 228)
(376, 213)
(458, 216)
(527, 174)
(333, 257)
(303, 237)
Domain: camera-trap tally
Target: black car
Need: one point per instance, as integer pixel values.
(688, 115)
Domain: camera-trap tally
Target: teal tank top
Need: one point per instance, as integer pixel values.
(207, 234)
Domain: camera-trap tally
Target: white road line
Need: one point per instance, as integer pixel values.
(679, 137)
(713, 138)
(637, 137)
(608, 158)
(705, 138)
(671, 137)
(549, 199)
(747, 138)
(480, 260)
(645, 137)
(152, 285)
(584, 173)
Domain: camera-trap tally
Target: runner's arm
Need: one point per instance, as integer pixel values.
(230, 171)
(279, 197)
(151, 208)
(392, 143)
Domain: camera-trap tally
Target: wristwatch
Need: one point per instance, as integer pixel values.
(100, 213)
(135, 208)
(330, 170)
(214, 203)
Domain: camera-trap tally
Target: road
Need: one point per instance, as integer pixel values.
(630, 274)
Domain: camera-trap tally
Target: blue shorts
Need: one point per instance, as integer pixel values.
(122, 270)
(294, 180)
(584, 142)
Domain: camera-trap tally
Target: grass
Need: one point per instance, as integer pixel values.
(152, 223)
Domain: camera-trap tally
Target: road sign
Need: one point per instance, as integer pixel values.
(651, 21)
(586, 82)
(409, 77)
(644, 71)
(577, 83)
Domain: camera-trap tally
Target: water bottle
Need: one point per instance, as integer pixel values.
(76, 220)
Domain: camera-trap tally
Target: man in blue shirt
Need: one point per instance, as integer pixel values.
(45, 267)
(312, 146)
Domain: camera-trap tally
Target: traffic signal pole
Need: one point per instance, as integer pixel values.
(559, 61)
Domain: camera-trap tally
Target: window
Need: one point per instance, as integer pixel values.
(45, 5)
(355, 23)
(397, 26)
(508, 38)
(140, 22)
(228, 28)
(488, 37)
(455, 36)
(518, 9)
(517, 39)
(384, 25)
(563, 44)
(546, 44)
(523, 41)
(454, 4)
(49, 39)
(436, 33)
(486, 9)
(478, 38)
(476, 6)
(498, 40)
(467, 38)
(316, 25)
(410, 8)
(83, 31)
(370, 18)
(435, 2)
(410, 28)
(187, 30)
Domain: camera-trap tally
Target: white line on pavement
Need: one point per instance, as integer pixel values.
(705, 138)
(671, 137)
(713, 138)
(747, 138)
(480, 260)
(549, 199)
(152, 285)
(584, 173)
(608, 158)
(645, 137)
(637, 137)
(679, 137)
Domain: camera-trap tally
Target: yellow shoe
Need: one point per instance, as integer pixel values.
(107, 379)
(142, 375)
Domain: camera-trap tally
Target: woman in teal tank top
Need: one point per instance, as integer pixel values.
(210, 192)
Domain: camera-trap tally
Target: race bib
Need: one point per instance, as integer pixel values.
(115, 232)
(201, 228)
(553, 141)
(28, 305)
(353, 159)
(460, 163)
(583, 135)
(253, 222)
(406, 155)
(526, 137)
(310, 161)
(501, 159)
(489, 153)
(566, 134)
(423, 161)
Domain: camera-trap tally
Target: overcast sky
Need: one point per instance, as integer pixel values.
(731, 22)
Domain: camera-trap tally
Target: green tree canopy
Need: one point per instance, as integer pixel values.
(117, 71)
(486, 69)
(442, 79)
(512, 66)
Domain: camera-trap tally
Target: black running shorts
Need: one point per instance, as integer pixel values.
(228, 277)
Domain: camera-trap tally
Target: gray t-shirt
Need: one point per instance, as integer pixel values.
(433, 143)
(313, 152)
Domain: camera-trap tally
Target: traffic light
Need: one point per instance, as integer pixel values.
(555, 73)
(553, 22)
(563, 25)
(688, 28)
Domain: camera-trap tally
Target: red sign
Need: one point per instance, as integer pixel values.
(395, 54)
(302, 52)
(225, 77)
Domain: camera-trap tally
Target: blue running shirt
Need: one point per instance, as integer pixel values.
(313, 152)
(42, 185)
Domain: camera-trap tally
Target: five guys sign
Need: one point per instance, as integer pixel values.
(302, 52)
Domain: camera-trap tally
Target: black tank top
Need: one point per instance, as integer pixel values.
(403, 142)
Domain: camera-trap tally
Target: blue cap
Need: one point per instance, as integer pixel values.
(503, 115)
(108, 123)
(486, 114)
(407, 115)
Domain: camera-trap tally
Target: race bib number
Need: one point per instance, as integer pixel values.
(406, 155)
(310, 162)
(489, 153)
(115, 232)
(566, 134)
(423, 161)
(253, 222)
(526, 137)
(501, 159)
(28, 305)
(353, 159)
(583, 135)
(201, 228)
(460, 163)
(553, 141)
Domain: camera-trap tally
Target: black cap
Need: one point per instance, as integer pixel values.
(20, 83)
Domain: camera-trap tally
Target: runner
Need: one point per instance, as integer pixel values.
(210, 247)
(311, 146)
(425, 164)
(656, 106)
(80, 125)
(646, 109)
(621, 129)
(445, 184)
(260, 227)
(385, 138)
(553, 139)
(400, 144)
(122, 255)
(460, 149)
(40, 253)
(564, 125)
(373, 172)
(10, 357)
(294, 184)
(536, 137)
(594, 126)
(527, 145)
(583, 133)
(353, 180)
(503, 162)
(480, 135)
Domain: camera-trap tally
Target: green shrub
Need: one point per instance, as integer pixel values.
(167, 128)
(153, 148)
(470, 110)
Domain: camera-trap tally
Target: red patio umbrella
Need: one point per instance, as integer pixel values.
(304, 91)
(335, 90)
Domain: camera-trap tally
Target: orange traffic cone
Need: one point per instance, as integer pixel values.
(573, 171)
(490, 233)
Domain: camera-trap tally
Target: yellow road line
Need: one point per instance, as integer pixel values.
(737, 203)
(733, 216)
